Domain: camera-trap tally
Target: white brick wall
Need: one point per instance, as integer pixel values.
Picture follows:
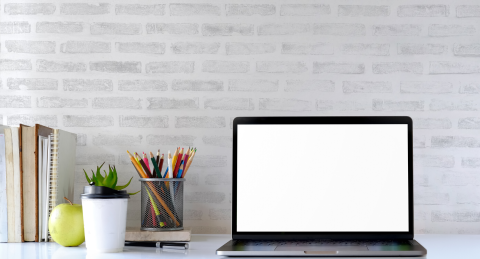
(160, 74)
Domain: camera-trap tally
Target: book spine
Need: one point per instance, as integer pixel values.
(52, 188)
(3, 191)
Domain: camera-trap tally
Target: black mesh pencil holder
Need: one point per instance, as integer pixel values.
(162, 204)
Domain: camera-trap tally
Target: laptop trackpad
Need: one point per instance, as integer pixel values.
(321, 248)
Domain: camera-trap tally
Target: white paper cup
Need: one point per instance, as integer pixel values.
(105, 222)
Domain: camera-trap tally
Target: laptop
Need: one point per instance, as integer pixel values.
(322, 186)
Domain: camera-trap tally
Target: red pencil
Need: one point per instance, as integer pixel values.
(177, 166)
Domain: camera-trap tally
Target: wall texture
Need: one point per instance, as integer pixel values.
(158, 74)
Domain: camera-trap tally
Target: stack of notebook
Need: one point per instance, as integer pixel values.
(37, 166)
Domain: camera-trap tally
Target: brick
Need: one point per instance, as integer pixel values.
(448, 105)
(85, 47)
(209, 230)
(170, 67)
(467, 50)
(95, 159)
(210, 161)
(32, 84)
(87, 85)
(431, 198)
(219, 66)
(31, 47)
(199, 122)
(219, 141)
(229, 104)
(81, 139)
(84, 9)
(192, 214)
(204, 197)
(418, 141)
(422, 11)
(370, 49)
(283, 29)
(227, 29)
(434, 161)
(172, 28)
(339, 29)
(281, 67)
(140, 47)
(15, 64)
(116, 102)
(116, 140)
(397, 30)
(307, 49)
(446, 67)
(469, 123)
(432, 123)
(59, 27)
(240, 48)
(46, 120)
(325, 86)
(250, 9)
(197, 85)
(194, 10)
(459, 179)
(464, 11)
(195, 47)
(277, 104)
(470, 88)
(304, 9)
(338, 68)
(14, 27)
(143, 121)
(457, 216)
(186, 140)
(137, 9)
(160, 103)
(391, 105)
(105, 28)
(442, 30)
(421, 49)
(363, 10)
(252, 85)
(470, 162)
(397, 67)
(60, 66)
(329, 105)
(58, 102)
(15, 101)
(472, 197)
(142, 85)
(454, 141)
(417, 87)
(220, 214)
(29, 9)
(87, 120)
(116, 66)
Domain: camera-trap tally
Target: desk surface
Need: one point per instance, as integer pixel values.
(204, 246)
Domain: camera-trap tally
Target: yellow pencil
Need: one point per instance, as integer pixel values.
(174, 160)
(190, 159)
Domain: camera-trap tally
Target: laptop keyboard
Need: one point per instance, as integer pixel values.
(321, 242)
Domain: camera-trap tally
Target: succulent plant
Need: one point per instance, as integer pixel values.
(109, 180)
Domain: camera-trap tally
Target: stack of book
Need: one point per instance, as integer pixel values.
(37, 167)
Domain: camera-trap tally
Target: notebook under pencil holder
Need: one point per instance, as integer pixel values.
(162, 204)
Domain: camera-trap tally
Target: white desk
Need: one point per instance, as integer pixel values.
(204, 246)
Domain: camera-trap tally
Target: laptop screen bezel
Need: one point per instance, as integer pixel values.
(322, 235)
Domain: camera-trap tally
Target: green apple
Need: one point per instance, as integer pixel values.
(66, 224)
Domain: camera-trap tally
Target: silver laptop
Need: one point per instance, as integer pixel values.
(322, 186)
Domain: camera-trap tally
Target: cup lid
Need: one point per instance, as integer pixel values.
(101, 192)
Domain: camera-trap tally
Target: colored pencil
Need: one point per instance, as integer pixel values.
(169, 165)
(157, 160)
(157, 172)
(152, 188)
(177, 166)
(186, 156)
(160, 165)
(145, 160)
(174, 160)
(189, 163)
(147, 171)
(180, 171)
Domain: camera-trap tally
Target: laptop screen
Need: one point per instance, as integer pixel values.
(322, 178)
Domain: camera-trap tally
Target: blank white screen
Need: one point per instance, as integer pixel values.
(321, 178)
